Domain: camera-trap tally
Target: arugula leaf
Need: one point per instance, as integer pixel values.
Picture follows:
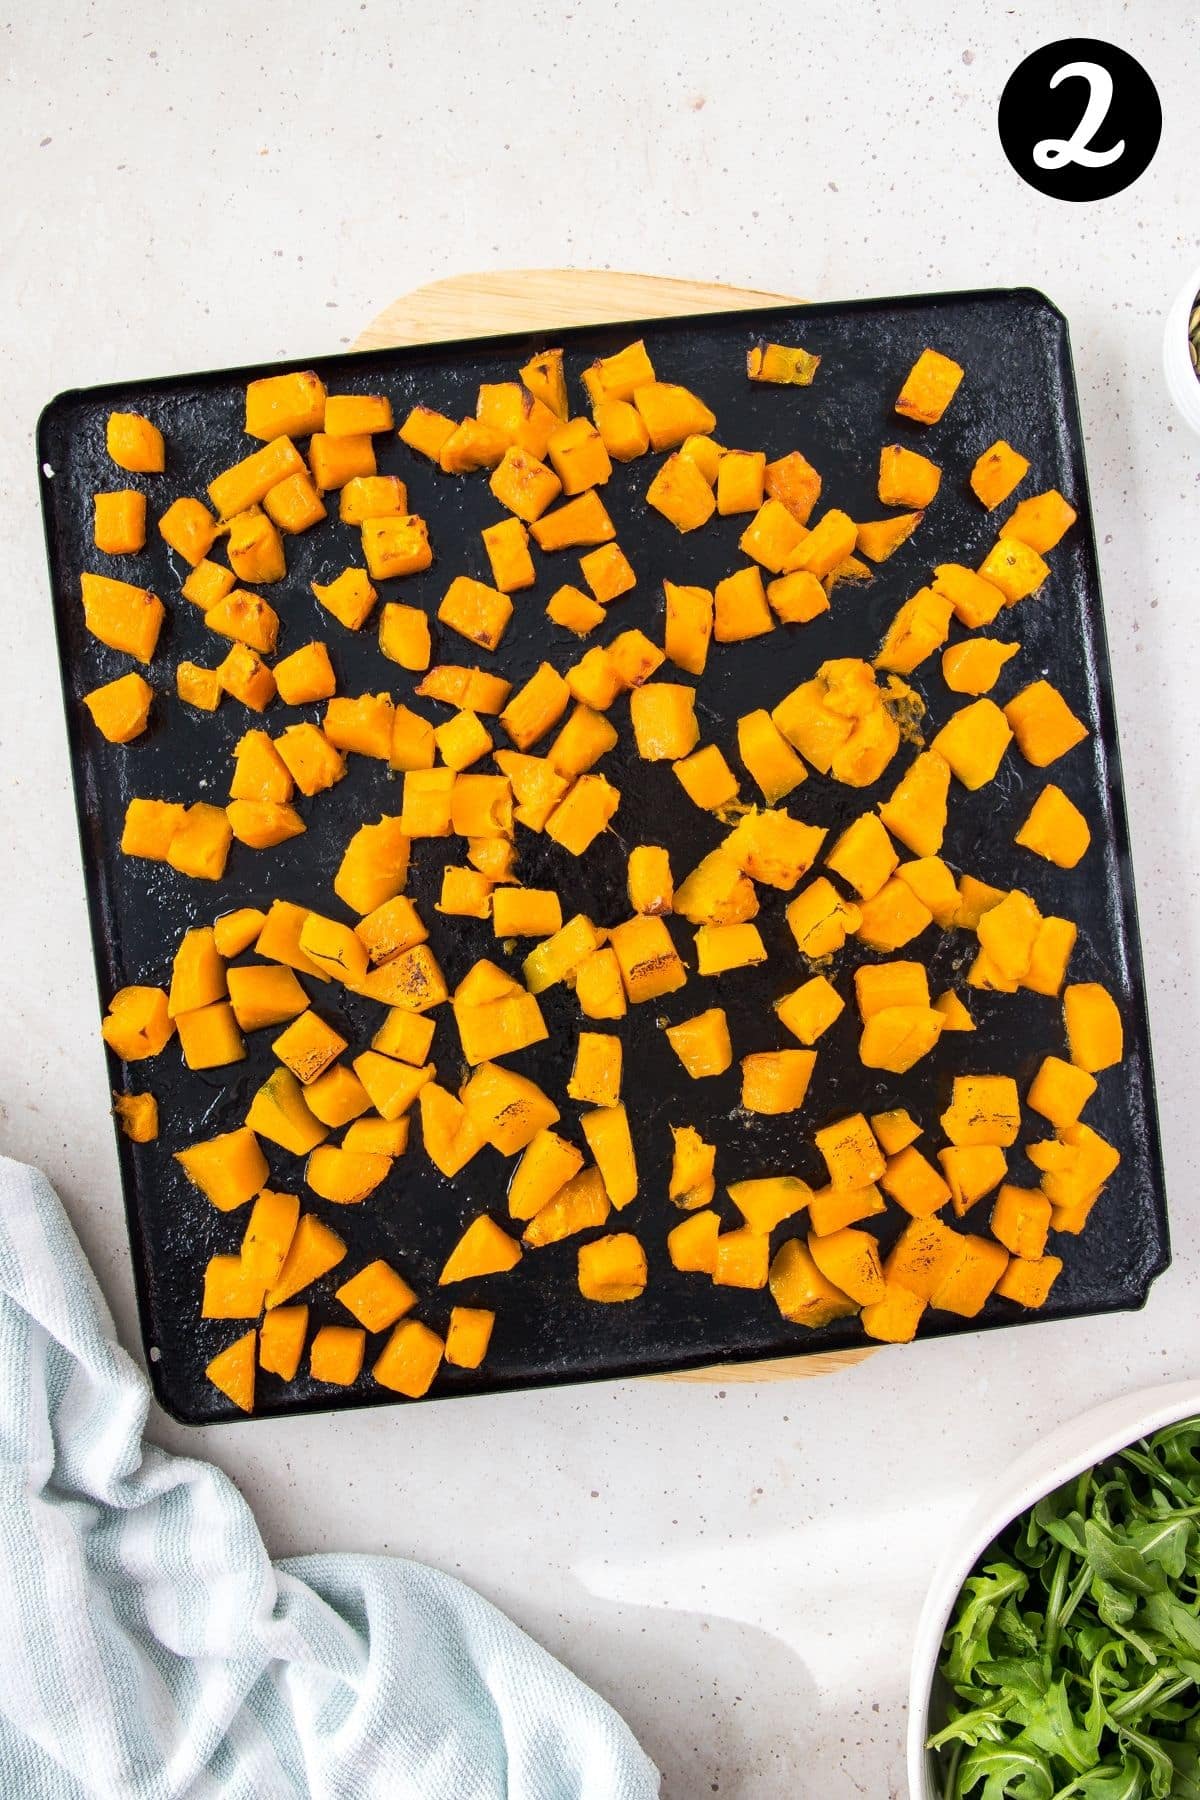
(1073, 1653)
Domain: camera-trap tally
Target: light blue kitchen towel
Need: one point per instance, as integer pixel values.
(149, 1648)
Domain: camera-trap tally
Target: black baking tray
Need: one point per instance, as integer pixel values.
(1019, 385)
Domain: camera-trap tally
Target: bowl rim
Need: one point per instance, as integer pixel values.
(1067, 1451)
(1183, 381)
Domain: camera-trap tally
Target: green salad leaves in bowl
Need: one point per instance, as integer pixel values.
(1067, 1664)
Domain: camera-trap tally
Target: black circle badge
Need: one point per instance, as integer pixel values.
(1080, 119)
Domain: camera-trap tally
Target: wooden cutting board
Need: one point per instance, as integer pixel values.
(544, 300)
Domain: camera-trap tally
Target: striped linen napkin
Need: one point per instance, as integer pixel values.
(150, 1649)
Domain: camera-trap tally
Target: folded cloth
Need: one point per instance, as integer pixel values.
(150, 1648)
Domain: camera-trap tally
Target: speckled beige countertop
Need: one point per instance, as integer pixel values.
(739, 1570)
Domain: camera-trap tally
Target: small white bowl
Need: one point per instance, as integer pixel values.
(1182, 380)
(1058, 1457)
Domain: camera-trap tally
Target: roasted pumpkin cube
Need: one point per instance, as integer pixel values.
(929, 387)
(507, 1109)
(797, 599)
(450, 1136)
(984, 1109)
(262, 997)
(574, 610)
(372, 497)
(583, 740)
(121, 615)
(308, 1046)
(507, 549)
(973, 741)
(346, 1177)
(208, 581)
(955, 1016)
(740, 607)
(893, 917)
(742, 1258)
(119, 522)
(229, 1169)
(337, 1097)
(598, 986)
(1021, 1220)
(479, 613)
(557, 958)
(517, 415)
(313, 1251)
(1043, 724)
(878, 538)
(580, 1204)
(974, 667)
(135, 444)
(897, 1037)
(578, 456)
(776, 1081)
(525, 912)
(313, 761)
(691, 1182)
(334, 461)
(247, 618)
(281, 1341)
(596, 1075)
(230, 1291)
(774, 535)
(906, 478)
(934, 886)
(911, 1180)
(863, 856)
(612, 1269)
(1029, 1283)
(919, 628)
(583, 520)
(879, 987)
(895, 1130)
(972, 1170)
(622, 429)
(705, 452)
(850, 1260)
(702, 1044)
(583, 813)
(649, 882)
(768, 756)
(617, 377)
(671, 413)
(832, 1208)
(289, 405)
(1007, 933)
(802, 1293)
(894, 1319)
(336, 1354)
(138, 1023)
(355, 415)
(832, 539)
(716, 892)
(200, 846)
(468, 1335)
(137, 1115)
(723, 947)
(692, 1244)
(1093, 1024)
(967, 1287)
(396, 546)
(820, 919)
(547, 1163)
(663, 715)
(707, 779)
(785, 364)
(634, 658)
(810, 1009)
(681, 494)
(741, 479)
(997, 471)
(198, 686)
(850, 1151)
(149, 827)
(249, 481)
(536, 707)
(120, 709)
(1055, 829)
(649, 962)
(974, 600)
(1041, 521)
(1014, 568)
(427, 432)
(1051, 954)
(793, 481)
(232, 1370)
(1060, 1091)
(410, 1359)
(280, 1112)
(383, 1137)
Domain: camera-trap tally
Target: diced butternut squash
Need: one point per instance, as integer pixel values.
(803, 1294)
(967, 1287)
(1043, 724)
(449, 1135)
(929, 387)
(681, 494)
(281, 1341)
(850, 1151)
(921, 626)
(1029, 1283)
(972, 1170)
(810, 1009)
(1014, 568)
(606, 1129)
(612, 1269)
(906, 478)
(596, 1075)
(268, 1236)
(137, 1115)
(1093, 1025)
(579, 1205)
(723, 947)
(1041, 521)
(692, 1244)
(468, 1335)
(894, 1130)
(984, 1109)
(508, 1110)
(410, 1359)
(973, 667)
(230, 1168)
(313, 1252)
(850, 1260)
(581, 521)
(547, 1163)
(483, 1249)
(279, 1112)
(820, 919)
(702, 1043)
(894, 1319)
(997, 471)
(911, 1180)
(975, 601)
(973, 742)
(232, 1369)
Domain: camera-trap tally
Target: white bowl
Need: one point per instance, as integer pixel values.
(1182, 379)
(1058, 1457)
